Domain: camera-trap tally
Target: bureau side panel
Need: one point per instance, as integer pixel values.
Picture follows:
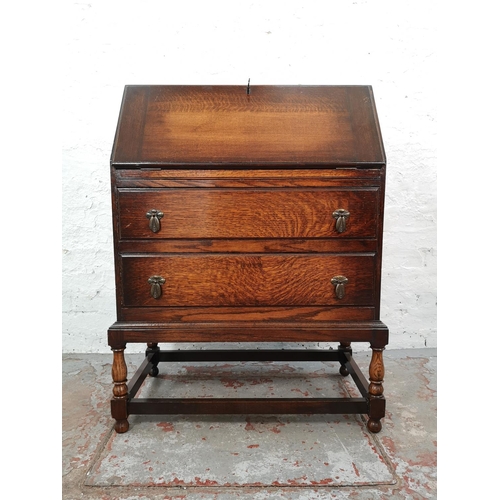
(379, 241)
(115, 206)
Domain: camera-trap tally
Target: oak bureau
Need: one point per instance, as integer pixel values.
(248, 214)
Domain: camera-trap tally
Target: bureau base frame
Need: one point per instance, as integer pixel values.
(371, 402)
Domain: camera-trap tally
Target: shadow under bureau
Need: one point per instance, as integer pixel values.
(248, 215)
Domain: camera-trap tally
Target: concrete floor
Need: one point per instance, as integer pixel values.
(250, 457)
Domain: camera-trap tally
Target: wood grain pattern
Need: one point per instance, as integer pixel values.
(246, 178)
(248, 280)
(258, 331)
(119, 402)
(249, 213)
(274, 125)
(376, 390)
(247, 314)
(246, 406)
(245, 246)
(376, 372)
(119, 374)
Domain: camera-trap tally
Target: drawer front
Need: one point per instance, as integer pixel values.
(242, 213)
(248, 280)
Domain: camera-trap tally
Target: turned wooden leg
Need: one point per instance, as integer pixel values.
(120, 390)
(344, 346)
(153, 347)
(376, 390)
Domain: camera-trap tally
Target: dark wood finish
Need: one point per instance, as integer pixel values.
(252, 213)
(289, 245)
(152, 353)
(140, 375)
(261, 406)
(376, 390)
(229, 355)
(292, 316)
(248, 280)
(119, 402)
(156, 406)
(224, 230)
(217, 126)
(345, 348)
(353, 369)
(252, 331)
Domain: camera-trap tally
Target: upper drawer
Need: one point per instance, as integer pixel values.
(243, 213)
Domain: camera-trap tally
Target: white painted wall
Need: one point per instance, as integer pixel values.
(388, 44)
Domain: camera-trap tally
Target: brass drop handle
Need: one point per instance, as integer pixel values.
(156, 282)
(339, 283)
(341, 216)
(154, 217)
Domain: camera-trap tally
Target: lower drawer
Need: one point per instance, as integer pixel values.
(248, 280)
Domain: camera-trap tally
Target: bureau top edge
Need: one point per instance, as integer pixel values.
(183, 126)
(244, 166)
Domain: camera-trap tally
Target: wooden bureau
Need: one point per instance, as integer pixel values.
(248, 214)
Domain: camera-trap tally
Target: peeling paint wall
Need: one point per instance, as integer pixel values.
(387, 44)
